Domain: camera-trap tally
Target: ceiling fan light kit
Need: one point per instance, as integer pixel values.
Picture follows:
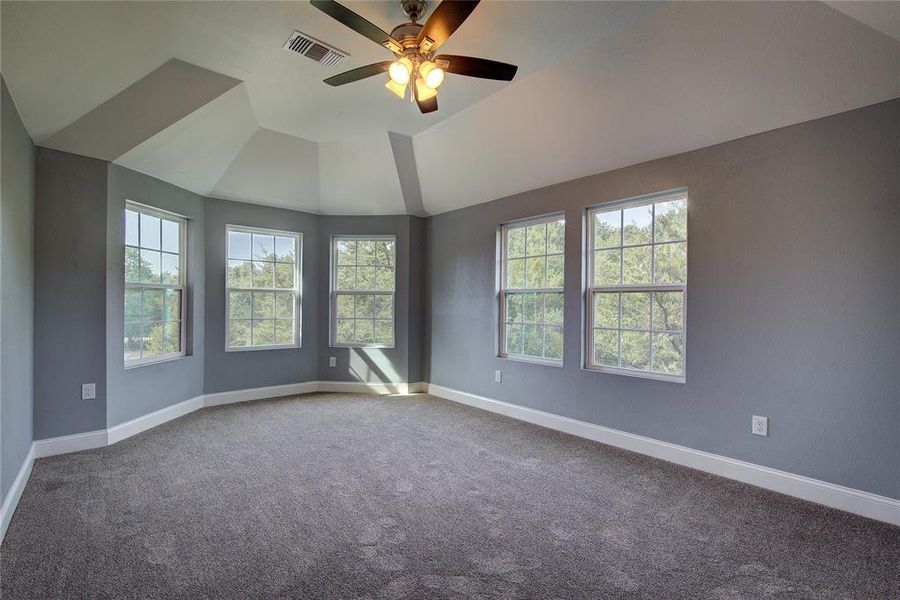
(414, 46)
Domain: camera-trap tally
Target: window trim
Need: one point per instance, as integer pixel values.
(333, 292)
(589, 289)
(297, 291)
(182, 285)
(502, 290)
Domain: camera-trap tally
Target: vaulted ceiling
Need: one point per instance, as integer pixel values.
(202, 94)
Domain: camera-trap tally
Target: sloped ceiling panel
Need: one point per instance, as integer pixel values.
(687, 76)
(358, 176)
(276, 169)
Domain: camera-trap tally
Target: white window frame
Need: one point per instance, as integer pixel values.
(297, 291)
(181, 286)
(503, 289)
(333, 343)
(590, 288)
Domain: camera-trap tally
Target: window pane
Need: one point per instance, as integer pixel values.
(239, 305)
(607, 267)
(553, 308)
(263, 333)
(239, 245)
(133, 340)
(534, 340)
(284, 276)
(671, 263)
(636, 267)
(170, 269)
(366, 278)
(132, 264)
(365, 307)
(536, 239)
(534, 272)
(284, 305)
(637, 225)
(263, 274)
(263, 305)
(636, 310)
(554, 271)
(635, 350)
(384, 307)
(131, 227)
(132, 305)
(152, 340)
(515, 242)
(345, 332)
(384, 332)
(513, 308)
(171, 241)
(239, 274)
(515, 273)
(671, 221)
(172, 308)
(285, 249)
(384, 253)
(556, 233)
(149, 232)
(172, 338)
(263, 248)
(532, 308)
(668, 353)
(668, 311)
(365, 331)
(284, 332)
(346, 252)
(515, 338)
(346, 278)
(553, 342)
(153, 305)
(365, 252)
(608, 229)
(344, 306)
(606, 347)
(238, 334)
(606, 309)
(384, 278)
(150, 266)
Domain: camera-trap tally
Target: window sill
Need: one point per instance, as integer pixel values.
(635, 373)
(534, 361)
(370, 346)
(260, 348)
(155, 361)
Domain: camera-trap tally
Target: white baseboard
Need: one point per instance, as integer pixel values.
(848, 499)
(15, 492)
(261, 393)
(70, 443)
(125, 430)
(366, 387)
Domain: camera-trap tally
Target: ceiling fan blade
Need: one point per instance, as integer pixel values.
(478, 67)
(445, 19)
(358, 73)
(425, 106)
(357, 23)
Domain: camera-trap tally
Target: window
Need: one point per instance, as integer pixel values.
(154, 285)
(637, 280)
(262, 286)
(363, 280)
(531, 289)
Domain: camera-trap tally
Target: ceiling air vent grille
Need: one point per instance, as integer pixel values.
(310, 47)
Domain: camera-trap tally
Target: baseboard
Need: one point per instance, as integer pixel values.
(260, 393)
(848, 499)
(367, 387)
(70, 443)
(125, 430)
(15, 492)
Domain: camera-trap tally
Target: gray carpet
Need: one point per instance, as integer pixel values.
(352, 496)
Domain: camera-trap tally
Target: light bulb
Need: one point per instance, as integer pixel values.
(400, 71)
(432, 74)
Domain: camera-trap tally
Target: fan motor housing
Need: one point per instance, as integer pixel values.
(407, 34)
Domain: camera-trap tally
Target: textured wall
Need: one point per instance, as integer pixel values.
(793, 310)
(135, 392)
(16, 290)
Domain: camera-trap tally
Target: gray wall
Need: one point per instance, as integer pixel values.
(226, 371)
(135, 392)
(16, 290)
(793, 302)
(69, 293)
(377, 365)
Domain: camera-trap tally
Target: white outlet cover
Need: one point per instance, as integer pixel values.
(498, 376)
(332, 361)
(760, 426)
(88, 391)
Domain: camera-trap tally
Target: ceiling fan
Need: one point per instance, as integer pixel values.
(414, 47)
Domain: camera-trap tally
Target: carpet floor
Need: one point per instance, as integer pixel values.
(357, 496)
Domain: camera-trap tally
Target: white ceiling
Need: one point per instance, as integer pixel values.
(600, 85)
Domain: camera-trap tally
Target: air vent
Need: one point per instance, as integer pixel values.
(310, 47)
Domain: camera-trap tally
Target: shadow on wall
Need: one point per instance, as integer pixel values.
(372, 365)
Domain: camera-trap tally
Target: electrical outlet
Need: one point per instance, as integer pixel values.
(332, 361)
(760, 426)
(88, 391)
(498, 376)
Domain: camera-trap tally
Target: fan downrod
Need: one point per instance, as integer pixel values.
(414, 9)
